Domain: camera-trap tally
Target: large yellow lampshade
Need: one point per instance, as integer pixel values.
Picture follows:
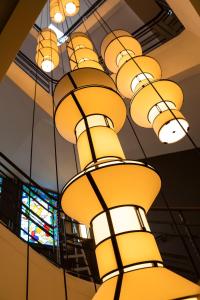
(117, 47)
(57, 13)
(120, 182)
(81, 52)
(78, 40)
(149, 283)
(71, 7)
(80, 86)
(47, 57)
(130, 78)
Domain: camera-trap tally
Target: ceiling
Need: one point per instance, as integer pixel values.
(16, 110)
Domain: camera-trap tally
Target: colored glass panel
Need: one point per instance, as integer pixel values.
(39, 216)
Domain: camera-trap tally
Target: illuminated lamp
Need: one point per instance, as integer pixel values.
(47, 57)
(148, 110)
(56, 11)
(134, 72)
(71, 7)
(95, 122)
(81, 52)
(113, 51)
(111, 194)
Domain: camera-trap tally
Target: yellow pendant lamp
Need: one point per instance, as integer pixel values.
(71, 7)
(111, 194)
(47, 57)
(81, 52)
(155, 102)
(57, 13)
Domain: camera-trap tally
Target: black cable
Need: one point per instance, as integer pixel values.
(138, 140)
(51, 81)
(30, 170)
(179, 233)
(75, 157)
(59, 253)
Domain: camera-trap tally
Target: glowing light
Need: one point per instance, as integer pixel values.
(58, 17)
(173, 131)
(47, 65)
(70, 8)
(138, 79)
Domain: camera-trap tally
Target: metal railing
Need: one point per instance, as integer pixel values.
(178, 238)
(181, 236)
(63, 247)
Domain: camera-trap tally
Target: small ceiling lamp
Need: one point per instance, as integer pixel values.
(47, 57)
(57, 13)
(155, 102)
(81, 52)
(71, 7)
(111, 194)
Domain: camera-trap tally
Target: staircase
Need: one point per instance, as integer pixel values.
(33, 214)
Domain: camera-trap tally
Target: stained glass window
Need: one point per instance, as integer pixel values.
(39, 216)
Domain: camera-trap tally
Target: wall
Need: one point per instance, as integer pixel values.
(45, 279)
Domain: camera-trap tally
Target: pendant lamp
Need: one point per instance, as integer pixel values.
(71, 7)
(47, 57)
(57, 13)
(111, 194)
(155, 102)
(81, 52)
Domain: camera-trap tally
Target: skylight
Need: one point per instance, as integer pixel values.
(59, 34)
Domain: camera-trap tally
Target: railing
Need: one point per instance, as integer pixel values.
(32, 214)
(162, 28)
(178, 238)
(30, 68)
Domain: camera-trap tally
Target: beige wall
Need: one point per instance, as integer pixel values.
(45, 280)
(179, 55)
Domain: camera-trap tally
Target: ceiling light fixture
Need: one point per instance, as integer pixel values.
(47, 57)
(138, 78)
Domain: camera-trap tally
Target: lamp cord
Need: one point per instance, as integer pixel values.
(31, 168)
(59, 253)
